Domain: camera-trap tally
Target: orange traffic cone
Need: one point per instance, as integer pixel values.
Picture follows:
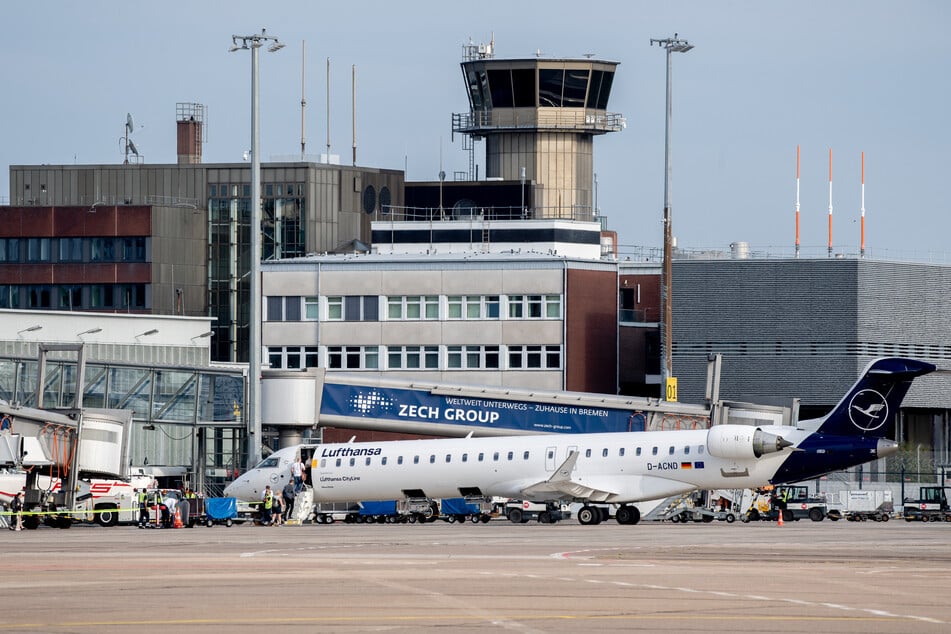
(779, 524)
(178, 520)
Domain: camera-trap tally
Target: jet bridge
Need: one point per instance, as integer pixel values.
(293, 401)
(64, 443)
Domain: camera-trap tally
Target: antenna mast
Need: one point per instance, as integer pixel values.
(353, 100)
(303, 101)
(862, 252)
(328, 110)
(797, 202)
(830, 202)
(129, 145)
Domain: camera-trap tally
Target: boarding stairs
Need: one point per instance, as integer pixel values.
(303, 507)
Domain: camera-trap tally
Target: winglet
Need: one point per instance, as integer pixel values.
(563, 473)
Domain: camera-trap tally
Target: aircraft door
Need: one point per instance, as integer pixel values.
(550, 454)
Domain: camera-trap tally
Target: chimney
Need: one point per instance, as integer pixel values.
(190, 120)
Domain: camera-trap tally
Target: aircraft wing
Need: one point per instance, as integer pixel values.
(562, 486)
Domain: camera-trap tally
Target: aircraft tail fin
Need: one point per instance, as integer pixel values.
(872, 403)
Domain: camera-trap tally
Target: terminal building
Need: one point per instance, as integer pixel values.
(791, 328)
(174, 239)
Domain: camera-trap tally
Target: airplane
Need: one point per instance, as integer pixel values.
(617, 468)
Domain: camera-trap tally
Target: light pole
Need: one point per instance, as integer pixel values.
(521, 212)
(671, 45)
(253, 408)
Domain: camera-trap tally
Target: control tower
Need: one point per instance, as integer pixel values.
(540, 115)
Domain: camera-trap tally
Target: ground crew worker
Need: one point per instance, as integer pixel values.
(16, 507)
(143, 499)
(783, 498)
(157, 503)
(268, 499)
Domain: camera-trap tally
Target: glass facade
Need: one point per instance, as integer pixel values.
(542, 86)
(229, 253)
(77, 250)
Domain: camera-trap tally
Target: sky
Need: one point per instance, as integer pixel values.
(852, 76)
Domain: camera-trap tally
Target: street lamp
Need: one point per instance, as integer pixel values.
(671, 45)
(254, 42)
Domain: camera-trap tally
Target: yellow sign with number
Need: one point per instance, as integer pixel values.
(671, 388)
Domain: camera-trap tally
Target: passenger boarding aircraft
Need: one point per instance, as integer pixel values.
(613, 468)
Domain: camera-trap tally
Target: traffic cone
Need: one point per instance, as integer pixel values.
(178, 519)
(779, 524)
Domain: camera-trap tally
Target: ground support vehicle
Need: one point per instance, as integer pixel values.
(461, 509)
(523, 511)
(220, 511)
(698, 506)
(931, 506)
(700, 514)
(411, 510)
(794, 502)
(421, 510)
(864, 505)
(330, 512)
(188, 509)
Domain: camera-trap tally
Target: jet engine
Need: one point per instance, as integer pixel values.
(742, 441)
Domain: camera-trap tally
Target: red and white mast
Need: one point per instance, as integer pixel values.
(830, 202)
(863, 206)
(797, 201)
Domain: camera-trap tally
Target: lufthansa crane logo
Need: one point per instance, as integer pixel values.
(868, 410)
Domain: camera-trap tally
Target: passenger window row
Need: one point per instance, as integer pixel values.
(510, 456)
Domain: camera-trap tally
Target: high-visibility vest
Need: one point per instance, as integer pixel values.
(268, 501)
(142, 497)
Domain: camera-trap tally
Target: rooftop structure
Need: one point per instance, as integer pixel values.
(538, 117)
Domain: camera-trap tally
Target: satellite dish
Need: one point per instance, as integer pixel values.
(132, 148)
(128, 123)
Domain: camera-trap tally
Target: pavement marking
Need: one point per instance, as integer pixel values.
(754, 597)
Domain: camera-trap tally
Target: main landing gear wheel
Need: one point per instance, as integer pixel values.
(627, 515)
(589, 515)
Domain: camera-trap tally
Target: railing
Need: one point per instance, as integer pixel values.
(480, 214)
(174, 201)
(639, 253)
(639, 315)
(537, 118)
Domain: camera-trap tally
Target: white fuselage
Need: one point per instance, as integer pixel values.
(611, 467)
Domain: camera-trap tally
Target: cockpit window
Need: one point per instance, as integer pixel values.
(269, 463)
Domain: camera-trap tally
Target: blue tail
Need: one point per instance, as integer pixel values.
(872, 404)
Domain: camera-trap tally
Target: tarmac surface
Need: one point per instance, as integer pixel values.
(802, 577)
